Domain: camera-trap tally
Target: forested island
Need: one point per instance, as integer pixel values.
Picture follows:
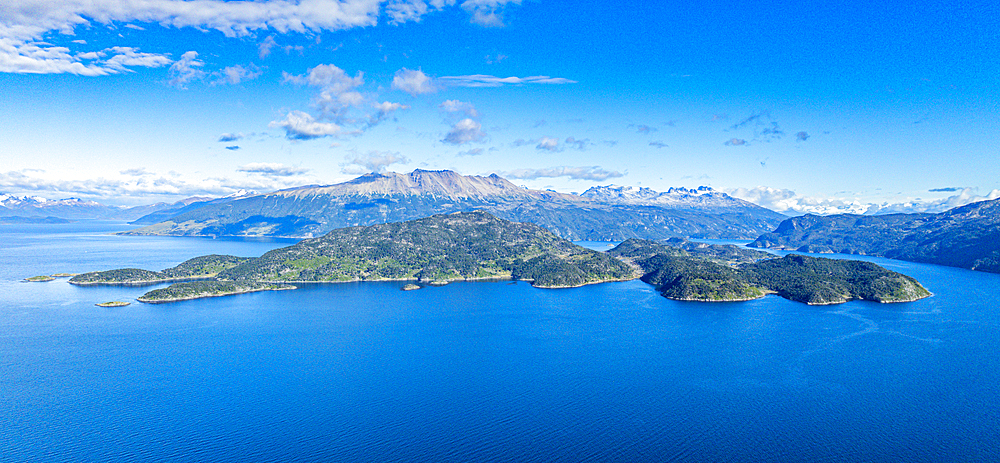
(477, 246)
(199, 268)
(712, 275)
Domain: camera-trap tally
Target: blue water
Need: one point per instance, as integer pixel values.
(486, 371)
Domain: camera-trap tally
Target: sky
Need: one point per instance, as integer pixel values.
(799, 107)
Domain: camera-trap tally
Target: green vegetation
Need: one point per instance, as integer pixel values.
(445, 247)
(687, 275)
(204, 267)
(39, 278)
(200, 289)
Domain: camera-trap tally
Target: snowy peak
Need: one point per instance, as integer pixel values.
(678, 197)
(438, 183)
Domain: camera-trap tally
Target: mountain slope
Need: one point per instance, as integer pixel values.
(966, 236)
(391, 197)
(464, 245)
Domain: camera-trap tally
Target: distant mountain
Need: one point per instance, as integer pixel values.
(702, 198)
(69, 208)
(79, 209)
(392, 197)
(165, 211)
(966, 236)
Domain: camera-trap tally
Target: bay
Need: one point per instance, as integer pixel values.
(479, 371)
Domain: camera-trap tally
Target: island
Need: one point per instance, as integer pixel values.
(113, 304)
(199, 268)
(39, 279)
(435, 250)
(199, 289)
(717, 275)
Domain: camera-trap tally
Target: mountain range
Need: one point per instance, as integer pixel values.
(25, 208)
(966, 236)
(609, 213)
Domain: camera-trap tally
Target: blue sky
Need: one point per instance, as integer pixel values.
(819, 108)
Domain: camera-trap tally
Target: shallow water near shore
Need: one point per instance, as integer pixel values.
(479, 371)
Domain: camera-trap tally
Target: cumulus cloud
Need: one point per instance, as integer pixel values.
(300, 125)
(337, 90)
(482, 80)
(413, 81)
(465, 131)
(185, 70)
(272, 169)
(736, 142)
(233, 75)
(658, 144)
(548, 144)
(458, 107)
(372, 161)
(801, 136)
(383, 110)
(575, 173)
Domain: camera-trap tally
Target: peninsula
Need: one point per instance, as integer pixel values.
(746, 274)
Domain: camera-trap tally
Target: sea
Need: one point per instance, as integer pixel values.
(479, 371)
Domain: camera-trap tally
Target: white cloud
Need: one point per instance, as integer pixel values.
(299, 125)
(411, 81)
(546, 143)
(372, 161)
(456, 106)
(577, 173)
(271, 169)
(137, 184)
(24, 23)
(383, 110)
(128, 56)
(464, 131)
(487, 13)
(186, 69)
(233, 75)
(471, 152)
(338, 91)
(264, 49)
(482, 80)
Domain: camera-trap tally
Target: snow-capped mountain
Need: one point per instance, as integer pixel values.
(701, 198)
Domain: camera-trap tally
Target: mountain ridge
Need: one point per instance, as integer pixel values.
(394, 197)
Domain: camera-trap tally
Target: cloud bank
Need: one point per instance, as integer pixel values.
(788, 202)
(576, 173)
